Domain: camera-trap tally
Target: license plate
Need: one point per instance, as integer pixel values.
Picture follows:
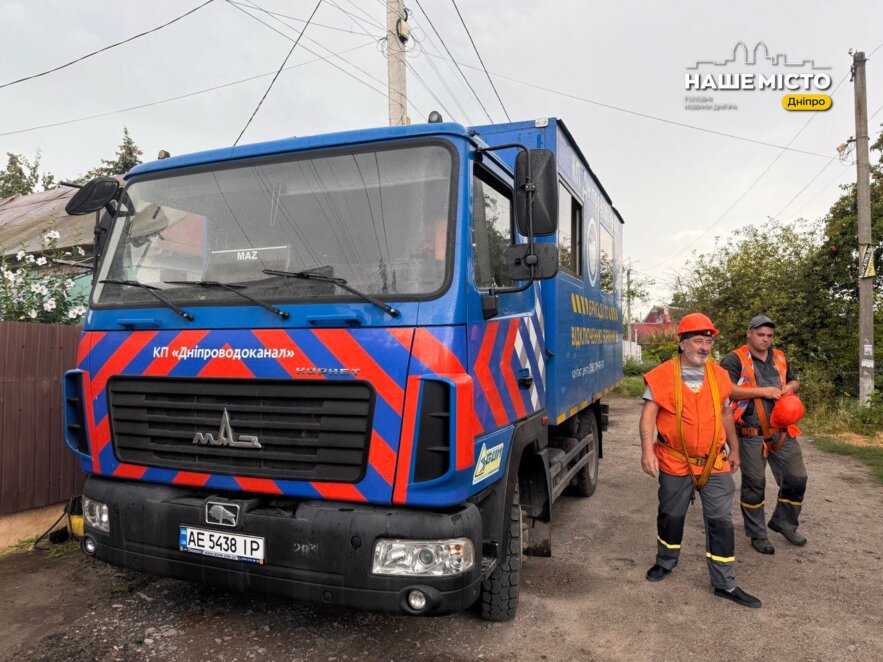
(222, 544)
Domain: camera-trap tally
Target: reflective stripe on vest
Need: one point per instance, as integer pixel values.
(747, 377)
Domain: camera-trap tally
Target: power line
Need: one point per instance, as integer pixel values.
(300, 20)
(281, 66)
(475, 48)
(158, 102)
(806, 186)
(457, 64)
(106, 48)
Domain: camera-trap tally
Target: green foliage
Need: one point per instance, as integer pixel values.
(629, 387)
(803, 276)
(632, 367)
(659, 347)
(33, 289)
(128, 155)
(870, 455)
(22, 177)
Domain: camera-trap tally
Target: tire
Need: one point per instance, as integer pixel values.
(586, 481)
(499, 592)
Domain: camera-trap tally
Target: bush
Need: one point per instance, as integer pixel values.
(633, 367)
(629, 387)
(659, 347)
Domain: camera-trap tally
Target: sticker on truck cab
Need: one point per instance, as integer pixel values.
(489, 461)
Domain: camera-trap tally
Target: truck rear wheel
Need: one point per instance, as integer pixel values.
(585, 482)
(499, 592)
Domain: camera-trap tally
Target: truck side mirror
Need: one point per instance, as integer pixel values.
(518, 264)
(540, 163)
(93, 196)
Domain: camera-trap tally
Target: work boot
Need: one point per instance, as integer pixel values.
(793, 537)
(763, 546)
(739, 596)
(657, 573)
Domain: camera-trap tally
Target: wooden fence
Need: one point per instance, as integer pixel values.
(36, 468)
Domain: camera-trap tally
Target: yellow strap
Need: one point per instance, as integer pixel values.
(751, 505)
(667, 545)
(720, 559)
(792, 503)
(711, 460)
(718, 463)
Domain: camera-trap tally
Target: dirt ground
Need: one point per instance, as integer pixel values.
(590, 601)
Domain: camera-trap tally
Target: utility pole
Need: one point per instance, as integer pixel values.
(397, 35)
(865, 247)
(628, 303)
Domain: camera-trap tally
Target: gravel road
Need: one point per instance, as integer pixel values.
(588, 602)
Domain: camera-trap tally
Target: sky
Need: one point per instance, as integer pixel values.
(606, 69)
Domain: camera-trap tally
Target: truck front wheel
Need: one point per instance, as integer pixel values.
(499, 592)
(585, 482)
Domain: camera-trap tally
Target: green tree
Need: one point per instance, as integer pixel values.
(22, 177)
(127, 156)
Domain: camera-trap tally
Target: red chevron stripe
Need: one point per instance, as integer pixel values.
(278, 339)
(87, 342)
(382, 457)
(190, 478)
(485, 378)
(406, 443)
(464, 442)
(429, 350)
(339, 491)
(121, 358)
(352, 355)
(263, 485)
(506, 367)
(184, 340)
(129, 471)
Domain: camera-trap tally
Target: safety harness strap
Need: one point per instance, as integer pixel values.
(770, 444)
(711, 459)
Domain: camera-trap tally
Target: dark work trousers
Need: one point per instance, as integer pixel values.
(717, 502)
(790, 474)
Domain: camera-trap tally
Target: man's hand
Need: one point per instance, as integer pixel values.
(650, 463)
(771, 392)
(734, 461)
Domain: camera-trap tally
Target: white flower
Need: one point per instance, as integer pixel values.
(68, 284)
(32, 314)
(52, 235)
(20, 256)
(75, 312)
(80, 251)
(41, 261)
(40, 289)
(49, 306)
(31, 259)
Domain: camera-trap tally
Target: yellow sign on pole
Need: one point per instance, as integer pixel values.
(866, 261)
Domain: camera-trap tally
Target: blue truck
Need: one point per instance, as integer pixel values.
(354, 368)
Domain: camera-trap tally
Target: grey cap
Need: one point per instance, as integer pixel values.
(760, 320)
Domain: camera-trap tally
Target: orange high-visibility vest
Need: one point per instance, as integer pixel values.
(747, 378)
(698, 419)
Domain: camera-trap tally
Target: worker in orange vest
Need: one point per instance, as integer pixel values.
(685, 403)
(760, 376)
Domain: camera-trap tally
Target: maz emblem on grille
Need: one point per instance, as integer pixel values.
(226, 436)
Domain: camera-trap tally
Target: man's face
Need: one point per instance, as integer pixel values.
(696, 350)
(761, 338)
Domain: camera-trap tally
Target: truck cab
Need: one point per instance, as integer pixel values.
(344, 368)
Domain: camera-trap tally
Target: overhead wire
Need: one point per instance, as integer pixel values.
(179, 97)
(454, 60)
(475, 48)
(301, 20)
(106, 48)
(281, 66)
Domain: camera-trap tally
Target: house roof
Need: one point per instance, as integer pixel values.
(24, 219)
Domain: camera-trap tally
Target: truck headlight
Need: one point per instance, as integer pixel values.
(96, 514)
(422, 558)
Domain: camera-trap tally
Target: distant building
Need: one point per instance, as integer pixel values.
(657, 322)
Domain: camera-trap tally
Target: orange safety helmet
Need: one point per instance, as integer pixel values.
(696, 322)
(787, 412)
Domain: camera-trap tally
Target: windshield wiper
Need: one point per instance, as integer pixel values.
(340, 282)
(234, 289)
(152, 291)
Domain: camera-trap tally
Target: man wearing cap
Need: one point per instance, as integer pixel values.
(685, 403)
(760, 376)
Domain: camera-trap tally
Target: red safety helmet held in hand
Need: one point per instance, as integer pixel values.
(696, 322)
(787, 411)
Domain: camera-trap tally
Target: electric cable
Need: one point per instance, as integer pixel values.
(106, 48)
(457, 64)
(475, 48)
(301, 20)
(281, 66)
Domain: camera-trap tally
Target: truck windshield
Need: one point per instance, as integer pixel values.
(379, 219)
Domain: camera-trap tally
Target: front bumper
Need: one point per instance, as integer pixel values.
(316, 551)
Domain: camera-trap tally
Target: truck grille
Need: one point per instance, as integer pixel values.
(312, 430)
